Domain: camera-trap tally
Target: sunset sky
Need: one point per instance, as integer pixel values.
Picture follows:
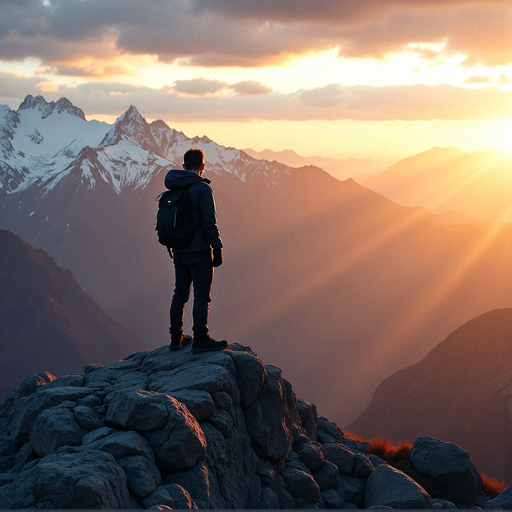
(340, 78)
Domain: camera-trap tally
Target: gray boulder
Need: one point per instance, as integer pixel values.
(27, 409)
(339, 455)
(308, 418)
(301, 485)
(255, 493)
(82, 480)
(53, 428)
(87, 418)
(180, 444)
(199, 403)
(352, 488)
(191, 486)
(503, 501)
(76, 380)
(32, 383)
(24, 456)
(159, 497)
(269, 419)
(137, 409)
(181, 497)
(284, 498)
(118, 444)
(332, 499)
(251, 375)
(389, 487)
(142, 475)
(202, 376)
(326, 475)
(448, 469)
(330, 428)
(362, 465)
(229, 481)
(311, 455)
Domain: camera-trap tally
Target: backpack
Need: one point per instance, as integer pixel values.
(175, 224)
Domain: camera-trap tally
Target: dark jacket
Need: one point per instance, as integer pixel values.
(202, 206)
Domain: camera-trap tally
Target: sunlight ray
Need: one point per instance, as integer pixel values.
(316, 280)
(423, 309)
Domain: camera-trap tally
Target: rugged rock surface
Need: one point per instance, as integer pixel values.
(215, 430)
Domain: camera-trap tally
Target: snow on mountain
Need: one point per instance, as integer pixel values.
(41, 139)
(44, 143)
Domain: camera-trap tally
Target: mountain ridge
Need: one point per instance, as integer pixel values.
(459, 392)
(478, 183)
(46, 319)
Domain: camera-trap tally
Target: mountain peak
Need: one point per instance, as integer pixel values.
(132, 122)
(131, 114)
(31, 102)
(62, 105)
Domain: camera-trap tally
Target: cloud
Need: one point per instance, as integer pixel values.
(331, 102)
(206, 87)
(246, 32)
(477, 79)
(13, 85)
(251, 88)
(198, 86)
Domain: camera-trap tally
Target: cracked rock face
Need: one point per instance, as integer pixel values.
(177, 430)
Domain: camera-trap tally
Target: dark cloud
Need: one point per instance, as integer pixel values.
(248, 32)
(332, 102)
(481, 34)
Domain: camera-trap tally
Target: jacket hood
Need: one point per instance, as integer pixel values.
(180, 178)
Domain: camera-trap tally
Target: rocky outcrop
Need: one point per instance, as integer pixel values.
(214, 430)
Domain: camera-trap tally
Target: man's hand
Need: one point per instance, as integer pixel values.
(217, 258)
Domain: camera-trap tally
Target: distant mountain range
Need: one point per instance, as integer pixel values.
(46, 321)
(342, 169)
(323, 277)
(460, 392)
(478, 183)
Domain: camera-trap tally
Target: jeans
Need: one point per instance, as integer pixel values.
(192, 267)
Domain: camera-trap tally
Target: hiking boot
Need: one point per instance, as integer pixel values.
(207, 344)
(177, 343)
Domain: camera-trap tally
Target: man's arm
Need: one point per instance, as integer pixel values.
(208, 213)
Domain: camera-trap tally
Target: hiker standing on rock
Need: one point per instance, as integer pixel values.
(194, 262)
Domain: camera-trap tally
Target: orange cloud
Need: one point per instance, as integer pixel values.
(47, 86)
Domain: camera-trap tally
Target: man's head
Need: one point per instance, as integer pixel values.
(193, 160)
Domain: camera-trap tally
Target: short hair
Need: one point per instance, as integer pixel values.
(193, 159)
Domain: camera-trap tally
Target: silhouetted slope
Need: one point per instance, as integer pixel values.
(46, 320)
(459, 392)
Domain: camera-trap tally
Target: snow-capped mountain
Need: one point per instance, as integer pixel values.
(40, 140)
(45, 143)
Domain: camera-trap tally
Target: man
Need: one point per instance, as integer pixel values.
(194, 263)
